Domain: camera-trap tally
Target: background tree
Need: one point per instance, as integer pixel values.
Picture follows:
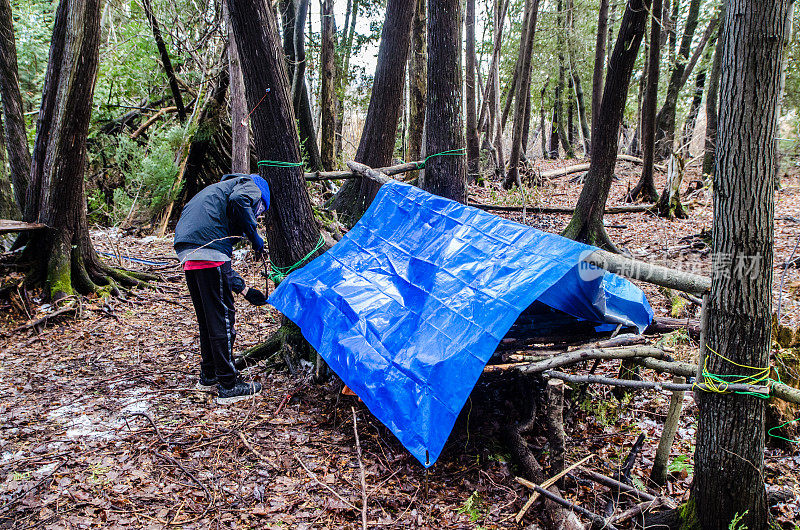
(711, 105)
(599, 60)
(16, 140)
(473, 146)
(586, 224)
(165, 60)
(729, 458)
(380, 127)
(240, 126)
(445, 175)
(646, 187)
(417, 80)
(327, 101)
(292, 231)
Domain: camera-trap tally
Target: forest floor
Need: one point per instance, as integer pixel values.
(77, 449)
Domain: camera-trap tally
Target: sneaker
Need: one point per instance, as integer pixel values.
(206, 383)
(240, 391)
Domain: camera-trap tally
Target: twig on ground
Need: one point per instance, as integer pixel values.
(191, 476)
(546, 484)
(313, 477)
(21, 495)
(596, 519)
(257, 453)
(363, 477)
(155, 428)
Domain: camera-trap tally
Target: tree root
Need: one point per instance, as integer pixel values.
(288, 342)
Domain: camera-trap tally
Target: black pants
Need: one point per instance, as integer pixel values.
(216, 315)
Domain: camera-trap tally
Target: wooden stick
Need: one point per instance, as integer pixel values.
(659, 472)
(636, 510)
(315, 479)
(596, 519)
(577, 356)
(258, 455)
(647, 272)
(363, 477)
(343, 175)
(368, 172)
(636, 208)
(596, 379)
(8, 226)
(135, 134)
(615, 484)
(546, 484)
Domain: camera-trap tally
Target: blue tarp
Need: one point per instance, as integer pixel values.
(410, 305)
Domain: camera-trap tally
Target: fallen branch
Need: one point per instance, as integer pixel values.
(666, 324)
(596, 519)
(615, 484)
(313, 477)
(344, 175)
(9, 226)
(626, 383)
(637, 509)
(647, 272)
(636, 208)
(577, 356)
(361, 469)
(546, 484)
(49, 316)
(258, 455)
(368, 172)
(190, 475)
(135, 134)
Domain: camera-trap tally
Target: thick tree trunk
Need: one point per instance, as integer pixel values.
(16, 140)
(288, 19)
(694, 110)
(711, 103)
(665, 120)
(63, 257)
(729, 458)
(380, 126)
(473, 146)
(445, 175)
(513, 89)
(240, 126)
(300, 99)
(599, 62)
(292, 231)
(9, 209)
(344, 75)
(327, 101)
(579, 99)
(521, 97)
(165, 60)
(417, 72)
(587, 221)
(646, 188)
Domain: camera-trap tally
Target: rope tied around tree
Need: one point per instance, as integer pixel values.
(278, 163)
(277, 274)
(451, 152)
(718, 383)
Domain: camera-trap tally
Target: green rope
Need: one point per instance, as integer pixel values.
(452, 152)
(276, 163)
(277, 274)
(784, 424)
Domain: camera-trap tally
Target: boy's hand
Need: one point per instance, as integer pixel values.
(255, 297)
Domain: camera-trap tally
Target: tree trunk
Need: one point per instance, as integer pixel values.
(300, 99)
(473, 146)
(665, 120)
(671, 27)
(646, 188)
(694, 110)
(669, 204)
(586, 224)
(344, 74)
(380, 126)
(786, 41)
(599, 62)
(445, 174)
(165, 60)
(570, 111)
(418, 83)
(543, 118)
(9, 209)
(729, 458)
(16, 139)
(292, 231)
(288, 19)
(240, 126)
(554, 128)
(513, 88)
(327, 101)
(711, 103)
(521, 97)
(63, 256)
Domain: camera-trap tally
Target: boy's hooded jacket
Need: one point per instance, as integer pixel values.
(220, 211)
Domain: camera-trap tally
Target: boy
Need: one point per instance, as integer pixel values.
(209, 225)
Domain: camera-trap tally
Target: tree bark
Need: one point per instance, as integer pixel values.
(240, 126)
(599, 62)
(63, 254)
(165, 60)
(300, 98)
(9, 209)
(473, 146)
(380, 126)
(646, 187)
(327, 101)
(586, 224)
(344, 75)
(16, 139)
(292, 231)
(445, 175)
(711, 104)
(691, 118)
(418, 83)
(665, 120)
(521, 97)
(729, 457)
(288, 18)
